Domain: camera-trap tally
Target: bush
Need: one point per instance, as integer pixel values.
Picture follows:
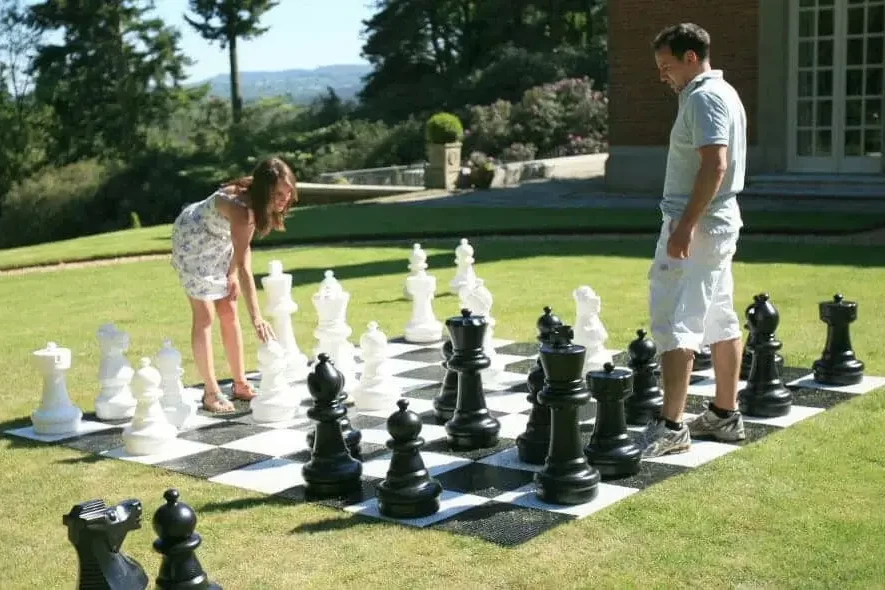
(519, 152)
(444, 128)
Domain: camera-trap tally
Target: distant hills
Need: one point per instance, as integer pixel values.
(301, 85)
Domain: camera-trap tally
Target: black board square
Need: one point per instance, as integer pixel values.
(526, 349)
(442, 446)
(365, 421)
(504, 524)
(649, 474)
(221, 433)
(425, 392)
(524, 366)
(484, 480)
(97, 442)
(428, 373)
(819, 398)
(431, 355)
(367, 491)
(213, 462)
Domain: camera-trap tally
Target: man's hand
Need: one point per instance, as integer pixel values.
(680, 241)
(233, 287)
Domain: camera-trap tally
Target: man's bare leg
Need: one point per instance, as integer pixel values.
(676, 368)
(727, 370)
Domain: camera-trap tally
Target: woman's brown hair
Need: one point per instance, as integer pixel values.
(259, 189)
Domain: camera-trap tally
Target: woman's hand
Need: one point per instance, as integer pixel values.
(264, 330)
(233, 287)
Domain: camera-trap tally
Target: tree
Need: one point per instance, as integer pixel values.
(226, 21)
(115, 73)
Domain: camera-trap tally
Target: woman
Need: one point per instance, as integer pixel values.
(211, 252)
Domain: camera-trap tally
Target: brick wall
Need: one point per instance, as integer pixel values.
(641, 108)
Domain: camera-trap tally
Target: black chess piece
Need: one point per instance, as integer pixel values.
(174, 523)
(332, 471)
(646, 400)
(533, 443)
(611, 449)
(471, 426)
(97, 532)
(566, 477)
(765, 394)
(408, 491)
(747, 356)
(445, 401)
(703, 359)
(838, 364)
(352, 436)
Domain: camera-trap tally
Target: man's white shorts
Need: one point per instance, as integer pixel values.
(692, 300)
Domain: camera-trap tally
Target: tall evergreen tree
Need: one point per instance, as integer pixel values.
(226, 21)
(115, 73)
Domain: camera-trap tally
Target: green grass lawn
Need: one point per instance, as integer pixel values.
(368, 221)
(802, 508)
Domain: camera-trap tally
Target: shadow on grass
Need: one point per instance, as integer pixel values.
(489, 250)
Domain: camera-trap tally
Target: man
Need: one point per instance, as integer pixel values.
(691, 285)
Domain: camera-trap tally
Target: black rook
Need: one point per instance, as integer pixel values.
(611, 450)
(838, 365)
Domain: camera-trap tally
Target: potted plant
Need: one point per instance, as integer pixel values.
(444, 134)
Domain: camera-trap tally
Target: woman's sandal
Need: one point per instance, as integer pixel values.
(244, 392)
(217, 405)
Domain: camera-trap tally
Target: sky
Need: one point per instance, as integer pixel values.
(302, 34)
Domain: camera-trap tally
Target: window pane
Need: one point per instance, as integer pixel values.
(874, 82)
(824, 144)
(804, 143)
(806, 83)
(874, 50)
(876, 19)
(824, 113)
(852, 142)
(805, 113)
(873, 112)
(855, 52)
(855, 21)
(825, 53)
(853, 112)
(825, 23)
(872, 142)
(854, 82)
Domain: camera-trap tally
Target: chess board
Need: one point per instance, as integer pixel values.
(488, 493)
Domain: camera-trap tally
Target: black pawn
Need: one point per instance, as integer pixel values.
(352, 436)
(408, 491)
(532, 444)
(747, 356)
(175, 523)
(445, 401)
(646, 401)
(611, 449)
(838, 365)
(331, 471)
(765, 394)
(97, 532)
(703, 359)
(471, 426)
(566, 477)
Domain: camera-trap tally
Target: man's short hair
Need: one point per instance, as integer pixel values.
(682, 38)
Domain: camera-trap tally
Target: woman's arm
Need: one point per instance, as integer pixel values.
(242, 229)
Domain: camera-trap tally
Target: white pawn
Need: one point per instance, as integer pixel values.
(276, 400)
(114, 401)
(417, 266)
(423, 327)
(465, 275)
(589, 330)
(180, 409)
(57, 414)
(150, 432)
(479, 301)
(280, 307)
(370, 393)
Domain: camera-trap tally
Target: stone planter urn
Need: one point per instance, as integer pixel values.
(443, 165)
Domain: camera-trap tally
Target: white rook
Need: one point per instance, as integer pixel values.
(56, 414)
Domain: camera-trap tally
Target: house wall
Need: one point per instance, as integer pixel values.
(641, 108)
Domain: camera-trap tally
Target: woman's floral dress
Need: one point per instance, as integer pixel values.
(202, 248)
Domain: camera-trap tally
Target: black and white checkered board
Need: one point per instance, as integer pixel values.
(488, 493)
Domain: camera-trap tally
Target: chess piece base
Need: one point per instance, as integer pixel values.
(154, 443)
(533, 444)
(57, 420)
(345, 480)
(265, 412)
(428, 333)
(574, 488)
(846, 373)
(472, 432)
(614, 462)
(115, 410)
(410, 502)
(772, 403)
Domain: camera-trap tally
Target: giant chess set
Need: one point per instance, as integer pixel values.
(448, 427)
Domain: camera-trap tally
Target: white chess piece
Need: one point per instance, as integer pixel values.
(276, 400)
(423, 327)
(417, 266)
(180, 408)
(370, 393)
(57, 414)
(150, 432)
(114, 401)
(465, 275)
(589, 329)
(479, 300)
(332, 331)
(280, 307)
